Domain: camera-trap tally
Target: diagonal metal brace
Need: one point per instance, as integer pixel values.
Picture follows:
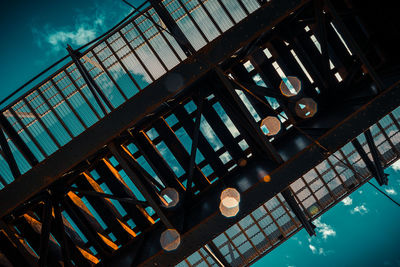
(309, 226)
(375, 155)
(372, 167)
(170, 23)
(91, 84)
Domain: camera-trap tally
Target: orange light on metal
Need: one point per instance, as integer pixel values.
(313, 210)
(242, 162)
(262, 175)
(290, 86)
(270, 125)
(170, 239)
(267, 178)
(306, 108)
(170, 197)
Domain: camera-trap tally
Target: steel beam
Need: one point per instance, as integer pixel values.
(143, 103)
(8, 155)
(370, 165)
(207, 222)
(354, 47)
(117, 186)
(108, 196)
(62, 235)
(9, 254)
(72, 247)
(204, 147)
(260, 90)
(193, 150)
(253, 129)
(45, 232)
(90, 82)
(287, 194)
(103, 206)
(376, 157)
(17, 140)
(87, 224)
(180, 153)
(215, 121)
(322, 36)
(177, 33)
(20, 244)
(157, 162)
(134, 172)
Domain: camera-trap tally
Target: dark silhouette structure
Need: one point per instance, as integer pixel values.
(292, 103)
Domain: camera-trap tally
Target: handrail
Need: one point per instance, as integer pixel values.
(97, 40)
(123, 61)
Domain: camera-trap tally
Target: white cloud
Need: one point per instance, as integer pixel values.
(396, 166)
(391, 191)
(85, 25)
(77, 37)
(324, 229)
(313, 249)
(362, 209)
(55, 38)
(347, 201)
(209, 134)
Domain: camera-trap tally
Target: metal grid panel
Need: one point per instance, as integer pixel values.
(203, 20)
(316, 192)
(125, 62)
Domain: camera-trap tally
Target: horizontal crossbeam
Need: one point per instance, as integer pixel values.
(207, 222)
(147, 101)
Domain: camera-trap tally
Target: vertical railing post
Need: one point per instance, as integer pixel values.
(8, 155)
(90, 82)
(173, 27)
(17, 140)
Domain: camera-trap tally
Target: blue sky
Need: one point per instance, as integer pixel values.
(35, 33)
(360, 231)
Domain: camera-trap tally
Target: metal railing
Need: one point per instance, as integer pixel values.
(122, 64)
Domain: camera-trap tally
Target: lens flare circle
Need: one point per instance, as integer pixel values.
(270, 125)
(290, 86)
(306, 108)
(229, 205)
(170, 197)
(170, 239)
